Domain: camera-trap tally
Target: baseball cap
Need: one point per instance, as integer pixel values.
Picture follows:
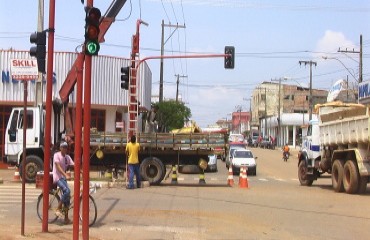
(63, 144)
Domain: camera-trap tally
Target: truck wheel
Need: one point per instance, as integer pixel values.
(337, 176)
(33, 165)
(351, 177)
(152, 170)
(302, 174)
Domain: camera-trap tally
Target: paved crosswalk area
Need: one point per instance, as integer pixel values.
(11, 195)
(190, 178)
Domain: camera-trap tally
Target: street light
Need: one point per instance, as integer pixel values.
(250, 111)
(334, 58)
(239, 109)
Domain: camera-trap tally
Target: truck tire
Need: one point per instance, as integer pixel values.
(33, 165)
(302, 174)
(152, 170)
(351, 177)
(337, 176)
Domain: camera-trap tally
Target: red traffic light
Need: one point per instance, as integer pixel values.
(229, 62)
(93, 15)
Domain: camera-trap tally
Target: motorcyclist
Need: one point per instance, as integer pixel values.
(286, 150)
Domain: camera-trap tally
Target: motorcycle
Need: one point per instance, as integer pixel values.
(285, 156)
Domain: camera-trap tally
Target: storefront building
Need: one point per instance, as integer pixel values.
(108, 101)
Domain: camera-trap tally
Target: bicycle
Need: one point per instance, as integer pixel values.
(54, 198)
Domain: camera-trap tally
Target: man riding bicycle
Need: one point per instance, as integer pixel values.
(61, 162)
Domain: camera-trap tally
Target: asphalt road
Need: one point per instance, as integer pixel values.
(274, 206)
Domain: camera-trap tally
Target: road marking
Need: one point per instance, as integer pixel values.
(263, 179)
(14, 201)
(12, 194)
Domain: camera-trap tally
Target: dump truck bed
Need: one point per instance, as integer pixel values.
(342, 124)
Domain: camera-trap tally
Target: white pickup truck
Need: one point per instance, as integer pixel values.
(337, 143)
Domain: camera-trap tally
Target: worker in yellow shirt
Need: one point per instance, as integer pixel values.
(132, 151)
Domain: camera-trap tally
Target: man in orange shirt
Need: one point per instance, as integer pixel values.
(286, 152)
(132, 151)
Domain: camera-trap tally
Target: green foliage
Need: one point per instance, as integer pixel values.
(172, 115)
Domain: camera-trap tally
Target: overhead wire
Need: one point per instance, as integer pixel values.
(129, 15)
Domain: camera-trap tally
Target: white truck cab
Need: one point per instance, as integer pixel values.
(34, 140)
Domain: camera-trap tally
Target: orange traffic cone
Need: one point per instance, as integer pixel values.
(243, 180)
(17, 176)
(230, 177)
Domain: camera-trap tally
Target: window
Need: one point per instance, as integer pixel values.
(119, 121)
(29, 120)
(243, 154)
(98, 119)
(309, 130)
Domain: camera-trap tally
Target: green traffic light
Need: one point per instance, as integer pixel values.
(92, 47)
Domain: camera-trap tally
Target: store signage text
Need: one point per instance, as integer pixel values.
(6, 77)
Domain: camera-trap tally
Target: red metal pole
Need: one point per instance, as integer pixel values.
(25, 83)
(86, 144)
(47, 138)
(78, 146)
(86, 149)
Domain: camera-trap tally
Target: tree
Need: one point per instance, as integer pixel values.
(172, 115)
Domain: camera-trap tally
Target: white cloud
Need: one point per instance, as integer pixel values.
(331, 42)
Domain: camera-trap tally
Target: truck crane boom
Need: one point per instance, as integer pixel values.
(71, 79)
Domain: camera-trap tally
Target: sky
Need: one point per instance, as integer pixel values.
(270, 38)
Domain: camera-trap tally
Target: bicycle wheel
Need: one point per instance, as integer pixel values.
(93, 211)
(53, 205)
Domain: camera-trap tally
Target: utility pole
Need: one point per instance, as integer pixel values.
(279, 110)
(265, 112)
(177, 85)
(360, 58)
(310, 98)
(40, 28)
(162, 53)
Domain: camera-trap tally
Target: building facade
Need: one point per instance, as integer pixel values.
(283, 115)
(108, 101)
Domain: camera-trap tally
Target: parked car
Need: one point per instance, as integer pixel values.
(244, 157)
(212, 163)
(266, 143)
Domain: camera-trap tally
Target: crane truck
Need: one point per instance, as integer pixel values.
(337, 143)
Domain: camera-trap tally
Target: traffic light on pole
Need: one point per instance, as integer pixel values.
(92, 30)
(125, 77)
(39, 51)
(229, 60)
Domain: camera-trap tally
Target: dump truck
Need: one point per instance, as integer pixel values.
(337, 143)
